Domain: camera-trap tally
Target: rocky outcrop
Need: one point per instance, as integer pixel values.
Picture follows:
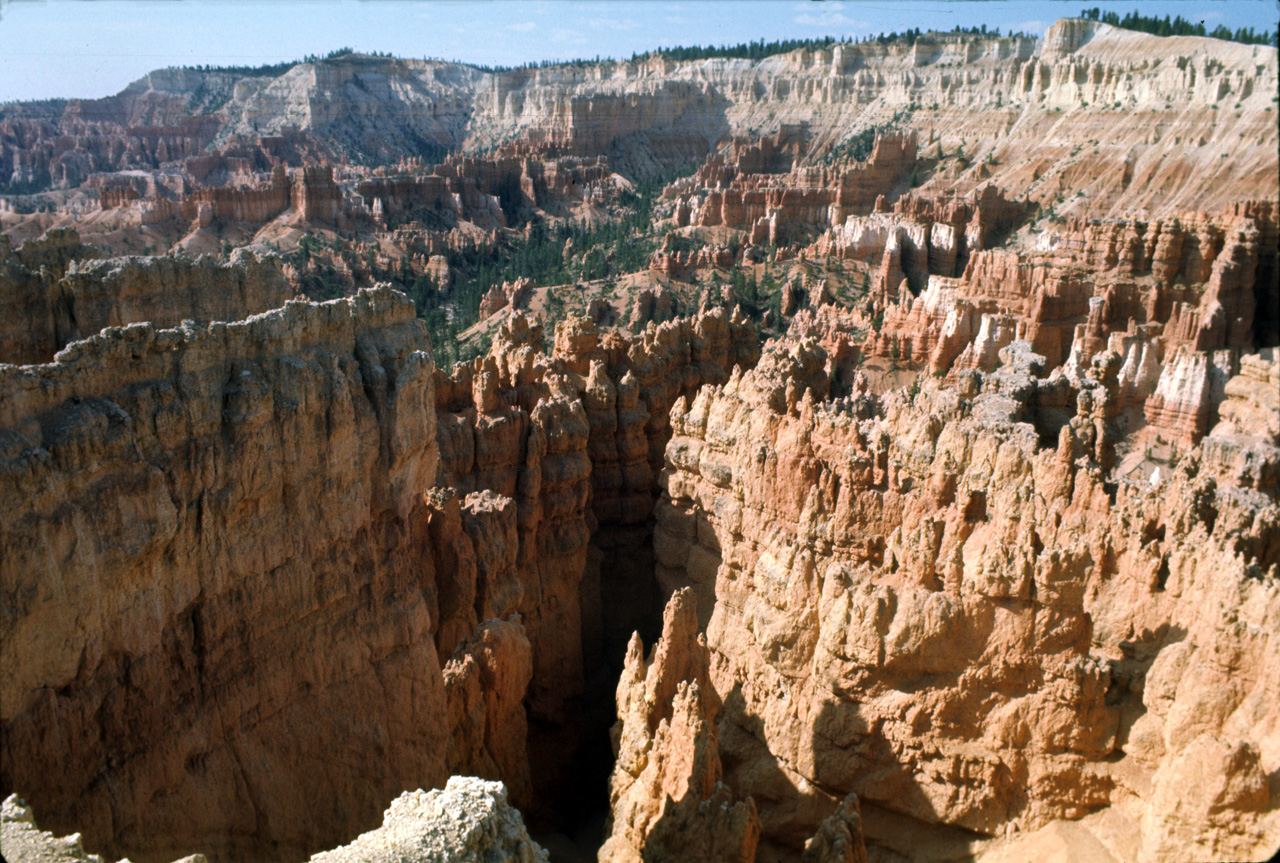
(1175, 298)
(839, 838)
(467, 821)
(492, 190)
(513, 295)
(940, 549)
(651, 305)
(666, 798)
(260, 565)
(1184, 406)
(774, 208)
(1032, 107)
(28, 328)
(51, 145)
(1243, 449)
(575, 439)
(23, 842)
(511, 425)
(937, 234)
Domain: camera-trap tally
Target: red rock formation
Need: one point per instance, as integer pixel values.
(1243, 449)
(1184, 406)
(1078, 287)
(775, 207)
(492, 189)
(833, 561)
(257, 206)
(28, 275)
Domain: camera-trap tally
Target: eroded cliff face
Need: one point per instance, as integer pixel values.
(666, 797)
(931, 609)
(467, 821)
(1033, 105)
(57, 291)
(216, 551)
(571, 443)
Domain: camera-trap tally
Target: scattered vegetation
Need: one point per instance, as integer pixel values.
(274, 70)
(858, 147)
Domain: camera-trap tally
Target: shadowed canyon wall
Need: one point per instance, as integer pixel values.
(267, 567)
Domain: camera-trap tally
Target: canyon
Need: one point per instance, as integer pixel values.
(870, 452)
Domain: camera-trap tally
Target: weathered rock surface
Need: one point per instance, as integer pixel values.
(53, 307)
(223, 604)
(933, 611)
(1243, 449)
(776, 207)
(575, 440)
(21, 841)
(264, 570)
(468, 821)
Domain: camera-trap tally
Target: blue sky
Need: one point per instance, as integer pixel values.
(90, 48)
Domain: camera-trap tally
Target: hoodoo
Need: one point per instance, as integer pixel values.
(820, 451)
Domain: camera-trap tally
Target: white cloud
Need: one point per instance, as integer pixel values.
(1035, 28)
(833, 18)
(524, 27)
(612, 24)
(563, 36)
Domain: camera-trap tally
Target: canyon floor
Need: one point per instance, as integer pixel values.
(870, 452)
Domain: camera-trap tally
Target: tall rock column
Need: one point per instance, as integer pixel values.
(667, 800)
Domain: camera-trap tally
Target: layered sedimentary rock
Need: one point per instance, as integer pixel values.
(92, 294)
(510, 425)
(934, 611)
(931, 236)
(506, 295)
(491, 190)
(776, 207)
(575, 440)
(1166, 294)
(1033, 105)
(1192, 384)
(262, 575)
(219, 554)
(1244, 447)
(24, 842)
(28, 274)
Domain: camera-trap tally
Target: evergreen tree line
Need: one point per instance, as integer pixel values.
(1179, 26)
(913, 35)
(756, 50)
(274, 70)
